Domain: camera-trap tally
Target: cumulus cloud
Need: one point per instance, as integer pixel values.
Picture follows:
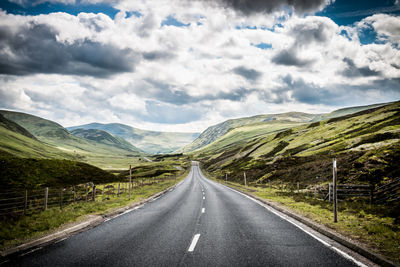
(249, 74)
(262, 6)
(34, 48)
(353, 71)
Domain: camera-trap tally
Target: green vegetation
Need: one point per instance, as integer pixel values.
(21, 173)
(149, 141)
(372, 225)
(366, 145)
(259, 124)
(103, 137)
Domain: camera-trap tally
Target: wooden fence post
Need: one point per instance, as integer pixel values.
(118, 189)
(74, 194)
(26, 201)
(61, 197)
(335, 201)
(298, 187)
(130, 180)
(94, 193)
(46, 197)
(330, 192)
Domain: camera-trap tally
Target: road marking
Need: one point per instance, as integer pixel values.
(194, 242)
(30, 251)
(203, 210)
(291, 220)
(204, 197)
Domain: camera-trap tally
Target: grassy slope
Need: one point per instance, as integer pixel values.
(20, 143)
(18, 173)
(103, 137)
(148, 141)
(54, 135)
(366, 144)
(214, 132)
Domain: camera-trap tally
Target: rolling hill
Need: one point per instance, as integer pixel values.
(54, 135)
(212, 133)
(17, 141)
(366, 143)
(149, 141)
(103, 137)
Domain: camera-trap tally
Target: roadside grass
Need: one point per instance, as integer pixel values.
(15, 231)
(359, 221)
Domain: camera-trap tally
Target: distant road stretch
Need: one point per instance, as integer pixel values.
(200, 223)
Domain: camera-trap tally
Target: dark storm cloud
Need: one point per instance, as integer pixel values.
(158, 55)
(249, 74)
(268, 6)
(35, 49)
(335, 94)
(167, 93)
(353, 71)
(288, 57)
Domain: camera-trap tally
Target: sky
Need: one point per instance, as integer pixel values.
(184, 65)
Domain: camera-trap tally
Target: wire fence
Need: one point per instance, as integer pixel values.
(30, 201)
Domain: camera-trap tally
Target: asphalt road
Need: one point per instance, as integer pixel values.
(230, 230)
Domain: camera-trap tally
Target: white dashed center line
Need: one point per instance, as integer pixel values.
(203, 210)
(194, 242)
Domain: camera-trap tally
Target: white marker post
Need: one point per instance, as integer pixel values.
(245, 182)
(130, 180)
(334, 191)
(226, 177)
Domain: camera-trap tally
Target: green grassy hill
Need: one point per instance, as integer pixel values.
(103, 137)
(18, 173)
(367, 145)
(17, 141)
(214, 132)
(149, 141)
(63, 144)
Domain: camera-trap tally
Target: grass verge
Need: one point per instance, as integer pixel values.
(14, 232)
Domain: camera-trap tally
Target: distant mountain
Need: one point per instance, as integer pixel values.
(104, 137)
(214, 132)
(346, 111)
(53, 134)
(149, 141)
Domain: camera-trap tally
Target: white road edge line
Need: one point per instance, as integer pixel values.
(203, 210)
(286, 218)
(194, 242)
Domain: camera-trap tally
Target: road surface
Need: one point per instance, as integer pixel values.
(199, 223)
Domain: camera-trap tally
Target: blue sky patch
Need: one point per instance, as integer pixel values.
(263, 46)
(47, 8)
(347, 12)
(172, 21)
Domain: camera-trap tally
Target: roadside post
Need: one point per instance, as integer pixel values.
(46, 196)
(244, 175)
(226, 177)
(130, 181)
(334, 191)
